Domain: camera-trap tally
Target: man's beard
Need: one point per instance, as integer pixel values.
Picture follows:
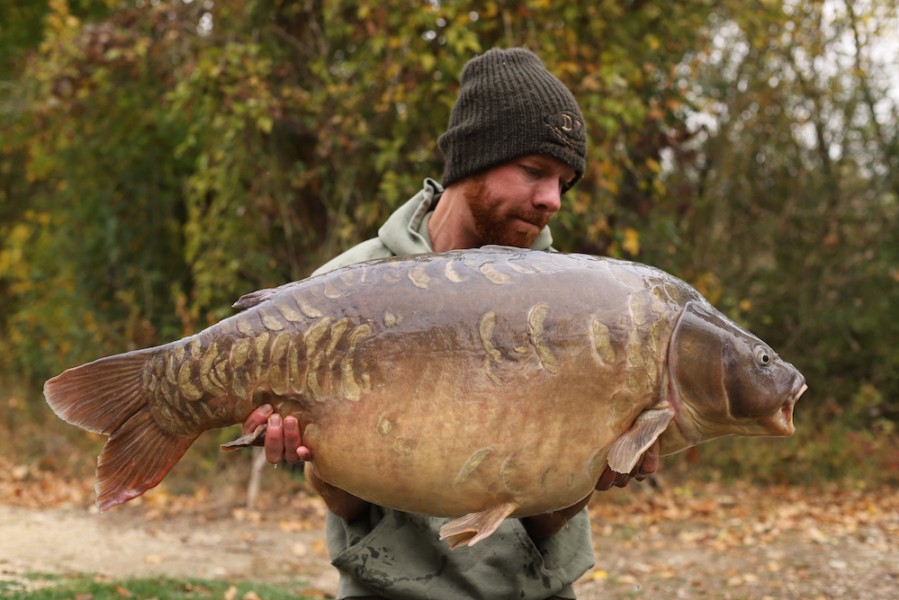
(494, 228)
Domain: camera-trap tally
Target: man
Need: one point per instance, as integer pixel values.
(515, 144)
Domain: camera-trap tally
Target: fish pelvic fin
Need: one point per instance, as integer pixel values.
(108, 396)
(474, 527)
(630, 446)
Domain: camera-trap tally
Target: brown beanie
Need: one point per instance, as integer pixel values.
(510, 106)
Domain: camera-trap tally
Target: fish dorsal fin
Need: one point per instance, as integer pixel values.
(259, 296)
(253, 298)
(474, 527)
(627, 449)
(499, 248)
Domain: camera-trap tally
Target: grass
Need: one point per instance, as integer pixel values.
(37, 586)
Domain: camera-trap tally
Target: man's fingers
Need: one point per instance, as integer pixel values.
(621, 479)
(257, 418)
(292, 440)
(650, 463)
(274, 439)
(606, 480)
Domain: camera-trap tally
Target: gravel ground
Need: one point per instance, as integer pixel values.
(705, 541)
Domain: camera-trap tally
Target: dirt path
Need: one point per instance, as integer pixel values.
(706, 541)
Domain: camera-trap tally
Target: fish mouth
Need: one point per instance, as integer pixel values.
(781, 423)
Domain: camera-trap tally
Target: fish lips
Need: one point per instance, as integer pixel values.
(781, 422)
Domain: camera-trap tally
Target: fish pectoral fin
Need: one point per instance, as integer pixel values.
(474, 527)
(627, 449)
(246, 440)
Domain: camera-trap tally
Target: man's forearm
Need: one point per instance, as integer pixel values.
(540, 527)
(341, 503)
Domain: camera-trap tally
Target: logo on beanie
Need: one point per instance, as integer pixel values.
(568, 128)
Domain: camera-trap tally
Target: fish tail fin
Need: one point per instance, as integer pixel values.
(109, 396)
(137, 456)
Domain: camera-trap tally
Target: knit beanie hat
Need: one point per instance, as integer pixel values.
(509, 106)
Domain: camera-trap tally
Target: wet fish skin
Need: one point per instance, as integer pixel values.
(480, 384)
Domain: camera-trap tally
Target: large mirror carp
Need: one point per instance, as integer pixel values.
(477, 384)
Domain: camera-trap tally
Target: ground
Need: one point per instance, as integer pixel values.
(697, 540)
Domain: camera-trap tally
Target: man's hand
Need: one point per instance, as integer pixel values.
(283, 440)
(648, 465)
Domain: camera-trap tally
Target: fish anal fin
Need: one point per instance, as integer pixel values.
(474, 527)
(630, 446)
(136, 458)
(246, 440)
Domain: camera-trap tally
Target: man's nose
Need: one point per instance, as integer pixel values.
(548, 197)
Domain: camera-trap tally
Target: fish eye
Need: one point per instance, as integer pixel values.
(763, 356)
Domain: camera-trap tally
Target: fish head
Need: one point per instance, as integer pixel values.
(725, 381)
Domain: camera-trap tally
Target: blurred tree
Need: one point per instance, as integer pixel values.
(786, 207)
(173, 155)
(158, 159)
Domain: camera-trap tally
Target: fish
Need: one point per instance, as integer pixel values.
(475, 385)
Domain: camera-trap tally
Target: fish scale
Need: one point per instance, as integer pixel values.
(475, 385)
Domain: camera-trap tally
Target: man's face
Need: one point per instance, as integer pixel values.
(511, 203)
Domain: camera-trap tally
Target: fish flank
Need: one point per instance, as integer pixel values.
(471, 465)
(420, 278)
(602, 341)
(331, 291)
(295, 370)
(336, 332)
(245, 323)
(271, 320)
(351, 388)
(537, 337)
(290, 314)
(307, 309)
(493, 274)
(486, 326)
(450, 272)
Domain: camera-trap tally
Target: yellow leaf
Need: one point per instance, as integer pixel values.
(631, 241)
